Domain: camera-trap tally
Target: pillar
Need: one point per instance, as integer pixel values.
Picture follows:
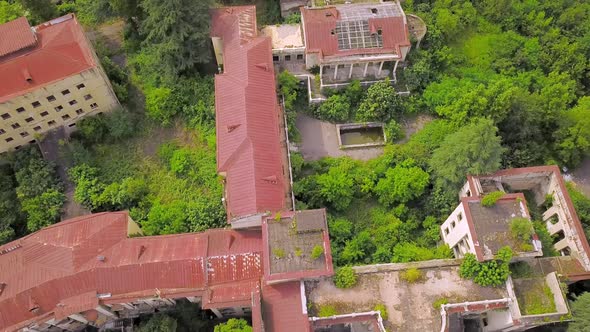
(350, 72)
(217, 313)
(394, 70)
(366, 67)
(79, 318)
(336, 71)
(380, 68)
(105, 311)
(239, 311)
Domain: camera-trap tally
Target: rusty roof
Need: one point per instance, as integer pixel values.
(16, 35)
(64, 268)
(56, 50)
(247, 116)
(378, 29)
(283, 308)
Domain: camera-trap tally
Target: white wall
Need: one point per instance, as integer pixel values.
(458, 229)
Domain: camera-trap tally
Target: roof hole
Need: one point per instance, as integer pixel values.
(374, 10)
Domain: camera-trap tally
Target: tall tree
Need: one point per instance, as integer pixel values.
(159, 323)
(380, 103)
(473, 149)
(581, 312)
(41, 10)
(10, 11)
(179, 31)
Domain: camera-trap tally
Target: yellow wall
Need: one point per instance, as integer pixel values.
(95, 84)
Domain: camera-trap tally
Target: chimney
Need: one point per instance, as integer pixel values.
(27, 76)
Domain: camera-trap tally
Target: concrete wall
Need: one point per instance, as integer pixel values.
(455, 232)
(96, 96)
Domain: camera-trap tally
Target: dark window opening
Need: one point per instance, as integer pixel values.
(566, 251)
(17, 147)
(24, 134)
(15, 125)
(29, 119)
(20, 110)
(275, 58)
(51, 123)
(5, 116)
(558, 236)
(79, 111)
(37, 128)
(80, 86)
(2, 131)
(65, 117)
(86, 97)
(73, 102)
(51, 98)
(287, 58)
(59, 108)
(373, 10)
(71, 125)
(93, 105)
(65, 92)
(9, 139)
(44, 113)
(299, 56)
(33, 141)
(36, 104)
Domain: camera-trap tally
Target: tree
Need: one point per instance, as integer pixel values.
(381, 103)
(43, 210)
(474, 149)
(10, 216)
(335, 109)
(159, 323)
(345, 277)
(289, 87)
(234, 325)
(580, 313)
(573, 137)
(41, 10)
(402, 183)
(489, 273)
(336, 188)
(10, 11)
(179, 31)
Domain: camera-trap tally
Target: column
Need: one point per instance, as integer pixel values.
(366, 67)
(336, 72)
(350, 72)
(217, 313)
(380, 68)
(79, 318)
(105, 311)
(394, 70)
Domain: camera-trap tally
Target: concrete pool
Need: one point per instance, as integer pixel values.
(358, 135)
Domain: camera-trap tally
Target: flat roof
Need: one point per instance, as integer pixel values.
(290, 238)
(284, 36)
(492, 224)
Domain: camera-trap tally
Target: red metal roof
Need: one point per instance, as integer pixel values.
(16, 35)
(319, 25)
(247, 123)
(61, 51)
(282, 308)
(62, 268)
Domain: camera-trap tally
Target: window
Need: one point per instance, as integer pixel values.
(29, 119)
(59, 108)
(79, 111)
(37, 128)
(299, 56)
(65, 92)
(65, 117)
(9, 139)
(5, 116)
(17, 147)
(460, 216)
(86, 97)
(36, 104)
(20, 110)
(71, 125)
(452, 224)
(287, 58)
(44, 113)
(51, 123)
(275, 58)
(93, 105)
(51, 98)
(33, 141)
(24, 134)
(72, 102)
(15, 125)
(373, 10)
(80, 86)
(2, 131)
(446, 231)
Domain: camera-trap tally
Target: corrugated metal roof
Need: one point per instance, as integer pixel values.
(15, 36)
(320, 24)
(282, 308)
(247, 123)
(61, 51)
(56, 268)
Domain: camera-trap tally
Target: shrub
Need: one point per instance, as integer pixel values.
(345, 277)
(317, 251)
(278, 252)
(521, 228)
(298, 252)
(234, 325)
(489, 273)
(293, 18)
(439, 302)
(120, 124)
(327, 311)
(335, 109)
(382, 309)
(491, 198)
(411, 275)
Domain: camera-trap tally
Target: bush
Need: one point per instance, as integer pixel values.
(317, 251)
(120, 124)
(411, 275)
(490, 199)
(521, 228)
(439, 302)
(279, 252)
(345, 277)
(234, 325)
(93, 129)
(293, 18)
(327, 311)
(382, 310)
(490, 273)
(335, 109)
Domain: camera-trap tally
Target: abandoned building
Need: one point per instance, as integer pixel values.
(51, 78)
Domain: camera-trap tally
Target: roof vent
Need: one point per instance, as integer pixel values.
(2, 287)
(232, 128)
(142, 249)
(328, 14)
(230, 241)
(33, 305)
(263, 66)
(9, 249)
(27, 75)
(271, 179)
(101, 258)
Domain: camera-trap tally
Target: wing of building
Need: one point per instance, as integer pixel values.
(51, 77)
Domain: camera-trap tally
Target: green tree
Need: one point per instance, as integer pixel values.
(474, 149)
(88, 187)
(41, 10)
(336, 188)
(402, 183)
(345, 277)
(335, 109)
(234, 325)
(179, 31)
(580, 313)
(159, 323)
(43, 210)
(381, 103)
(289, 88)
(573, 137)
(10, 216)
(10, 11)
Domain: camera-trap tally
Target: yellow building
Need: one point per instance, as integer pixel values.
(50, 76)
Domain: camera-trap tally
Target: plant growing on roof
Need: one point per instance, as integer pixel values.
(489, 273)
(327, 311)
(316, 252)
(382, 310)
(298, 252)
(490, 199)
(345, 277)
(521, 228)
(279, 252)
(411, 275)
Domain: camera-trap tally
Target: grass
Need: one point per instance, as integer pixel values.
(439, 302)
(278, 252)
(538, 299)
(411, 275)
(520, 270)
(327, 310)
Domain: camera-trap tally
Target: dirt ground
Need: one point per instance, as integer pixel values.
(409, 306)
(412, 124)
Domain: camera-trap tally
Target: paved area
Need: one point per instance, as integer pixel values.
(409, 306)
(320, 139)
(581, 176)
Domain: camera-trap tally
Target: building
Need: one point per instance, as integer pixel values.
(98, 269)
(365, 41)
(51, 77)
(477, 229)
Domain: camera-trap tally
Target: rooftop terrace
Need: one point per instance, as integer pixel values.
(284, 36)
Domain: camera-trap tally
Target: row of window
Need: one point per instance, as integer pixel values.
(36, 104)
(453, 223)
(287, 57)
(58, 108)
